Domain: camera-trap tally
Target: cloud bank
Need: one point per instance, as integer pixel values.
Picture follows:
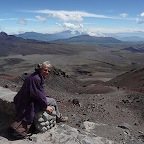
(77, 16)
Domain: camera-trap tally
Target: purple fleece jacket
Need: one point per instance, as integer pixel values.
(30, 98)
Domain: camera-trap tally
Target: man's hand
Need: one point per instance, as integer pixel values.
(49, 109)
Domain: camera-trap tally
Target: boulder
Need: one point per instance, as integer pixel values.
(6, 101)
(45, 121)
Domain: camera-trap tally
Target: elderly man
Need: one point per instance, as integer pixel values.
(31, 98)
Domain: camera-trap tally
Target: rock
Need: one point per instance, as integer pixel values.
(45, 121)
(76, 102)
(141, 137)
(64, 134)
(6, 101)
(125, 126)
(6, 86)
(111, 132)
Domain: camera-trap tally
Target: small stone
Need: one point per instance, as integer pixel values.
(40, 120)
(42, 124)
(75, 102)
(47, 123)
(44, 129)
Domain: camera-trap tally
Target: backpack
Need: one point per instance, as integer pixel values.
(19, 129)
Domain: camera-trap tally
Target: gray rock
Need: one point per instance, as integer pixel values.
(44, 121)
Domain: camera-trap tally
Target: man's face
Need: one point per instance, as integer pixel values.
(45, 71)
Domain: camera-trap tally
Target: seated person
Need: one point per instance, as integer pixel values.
(32, 98)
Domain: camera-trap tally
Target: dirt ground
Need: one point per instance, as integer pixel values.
(94, 103)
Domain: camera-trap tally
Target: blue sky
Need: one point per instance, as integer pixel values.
(91, 16)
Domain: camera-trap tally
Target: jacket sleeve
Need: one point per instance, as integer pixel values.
(36, 92)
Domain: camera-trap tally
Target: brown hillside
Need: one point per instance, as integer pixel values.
(132, 80)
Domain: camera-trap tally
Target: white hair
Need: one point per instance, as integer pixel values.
(46, 64)
(39, 66)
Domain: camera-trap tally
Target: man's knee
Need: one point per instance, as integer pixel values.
(51, 101)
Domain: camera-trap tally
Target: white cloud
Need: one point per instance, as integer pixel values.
(8, 19)
(76, 16)
(123, 14)
(114, 30)
(41, 19)
(72, 26)
(22, 21)
(67, 17)
(139, 21)
(80, 28)
(142, 14)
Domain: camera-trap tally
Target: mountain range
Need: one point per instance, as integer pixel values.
(63, 37)
(127, 36)
(48, 37)
(69, 37)
(89, 39)
(10, 44)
